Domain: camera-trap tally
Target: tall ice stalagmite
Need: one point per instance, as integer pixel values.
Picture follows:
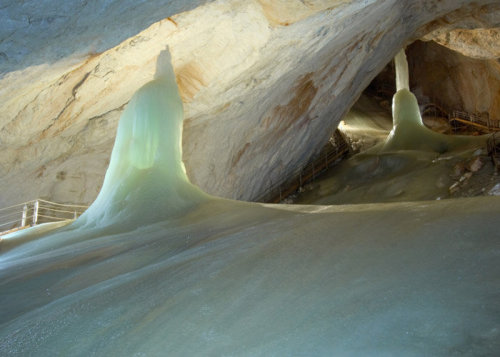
(146, 180)
(409, 131)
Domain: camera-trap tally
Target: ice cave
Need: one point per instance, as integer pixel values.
(260, 178)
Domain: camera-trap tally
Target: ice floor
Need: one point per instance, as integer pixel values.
(404, 176)
(233, 278)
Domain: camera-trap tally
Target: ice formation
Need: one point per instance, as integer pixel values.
(409, 132)
(412, 163)
(402, 73)
(146, 180)
(158, 268)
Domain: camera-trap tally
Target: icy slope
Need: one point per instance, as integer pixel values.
(232, 278)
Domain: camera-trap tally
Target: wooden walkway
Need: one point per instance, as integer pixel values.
(483, 123)
(459, 119)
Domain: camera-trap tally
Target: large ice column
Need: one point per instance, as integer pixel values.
(404, 103)
(402, 74)
(146, 180)
(409, 131)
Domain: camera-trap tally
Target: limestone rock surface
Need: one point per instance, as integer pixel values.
(476, 43)
(454, 81)
(264, 83)
(476, 36)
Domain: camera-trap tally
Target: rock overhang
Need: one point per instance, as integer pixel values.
(261, 94)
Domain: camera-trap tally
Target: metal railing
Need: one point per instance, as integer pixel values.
(481, 121)
(460, 119)
(335, 150)
(35, 212)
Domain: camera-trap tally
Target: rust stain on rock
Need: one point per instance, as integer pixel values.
(172, 21)
(223, 108)
(275, 13)
(40, 171)
(190, 80)
(240, 153)
(283, 117)
(288, 12)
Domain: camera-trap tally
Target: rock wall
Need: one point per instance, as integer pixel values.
(264, 83)
(454, 80)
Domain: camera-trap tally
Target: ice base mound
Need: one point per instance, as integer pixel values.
(409, 132)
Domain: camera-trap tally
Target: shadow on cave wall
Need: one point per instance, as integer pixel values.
(34, 32)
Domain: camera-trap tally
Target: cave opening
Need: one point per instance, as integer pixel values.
(441, 80)
(457, 94)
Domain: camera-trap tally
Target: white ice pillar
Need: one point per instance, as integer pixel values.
(402, 75)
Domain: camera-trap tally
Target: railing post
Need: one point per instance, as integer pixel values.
(25, 213)
(35, 212)
(75, 216)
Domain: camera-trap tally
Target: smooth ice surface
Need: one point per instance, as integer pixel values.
(402, 73)
(146, 179)
(158, 268)
(232, 278)
(409, 132)
(401, 176)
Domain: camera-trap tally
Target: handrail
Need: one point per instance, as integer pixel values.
(17, 205)
(37, 211)
(485, 124)
(336, 148)
(61, 204)
(481, 121)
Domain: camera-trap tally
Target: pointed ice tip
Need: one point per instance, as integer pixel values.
(164, 64)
